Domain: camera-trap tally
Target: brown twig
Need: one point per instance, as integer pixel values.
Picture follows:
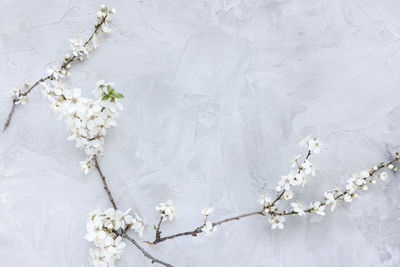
(123, 233)
(198, 230)
(158, 231)
(63, 66)
(103, 179)
(145, 253)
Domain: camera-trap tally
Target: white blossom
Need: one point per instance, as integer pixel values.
(297, 207)
(208, 228)
(101, 227)
(167, 210)
(312, 143)
(78, 47)
(56, 73)
(288, 194)
(264, 199)
(87, 119)
(18, 96)
(277, 222)
(207, 211)
(85, 166)
(308, 167)
(349, 197)
(330, 200)
(318, 207)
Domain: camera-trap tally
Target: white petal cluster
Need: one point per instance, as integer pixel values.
(102, 228)
(18, 96)
(104, 16)
(357, 181)
(330, 200)
(298, 175)
(318, 208)
(313, 144)
(298, 208)
(87, 119)
(209, 228)
(167, 210)
(79, 48)
(207, 211)
(264, 199)
(277, 222)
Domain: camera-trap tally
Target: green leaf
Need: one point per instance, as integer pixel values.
(155, 228)
(118, 95)
(110, 89)
(105, 97)
(52, 93)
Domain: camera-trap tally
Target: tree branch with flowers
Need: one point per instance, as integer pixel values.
(298, 175)
(89, 120)
(79, 50)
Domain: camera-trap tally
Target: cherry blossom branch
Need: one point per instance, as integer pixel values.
(199, 229)
(123, 232)
(21, 96)
(358, 181)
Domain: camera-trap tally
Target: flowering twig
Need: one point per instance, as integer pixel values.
(123, 232)
(79, 50)
(199, 229)
(294, 178)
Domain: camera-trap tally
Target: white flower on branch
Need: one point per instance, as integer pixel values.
(167, 210)
(18, 96)
(312, 143)
(56, 73)
(308, 167)
(101, 230)
(318, 208)
(330, 200)
(207, 211)
(264, 199)
(87, 120)
(277, 222)
(78, 47)
(208, 228)
(297, 207)
(288, 194)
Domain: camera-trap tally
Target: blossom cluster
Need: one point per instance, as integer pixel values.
(358, 182)
(18, 95)
(208, 227)
(81, 49)
(87, 119)
(299, 173)
(103, 228)
(167, 210)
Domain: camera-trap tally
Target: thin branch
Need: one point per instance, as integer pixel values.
(7, 123)
(145, 253)
(198, 230)
(158, 231)
(103, 179)
(50, 77)
(124, 234)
